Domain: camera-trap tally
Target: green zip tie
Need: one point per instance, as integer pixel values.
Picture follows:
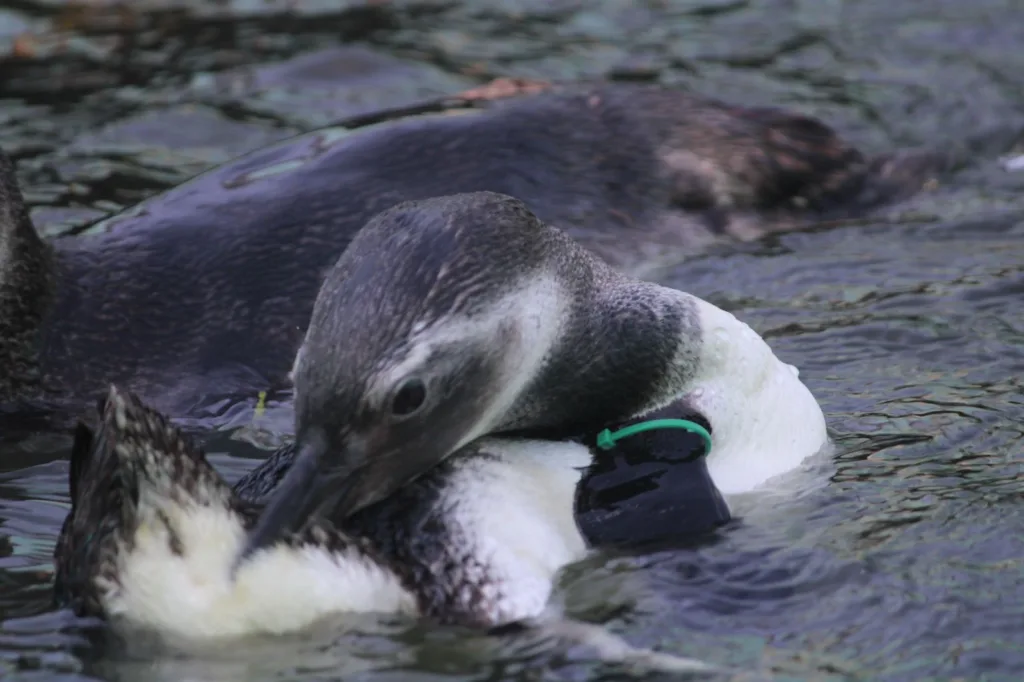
(606, 439)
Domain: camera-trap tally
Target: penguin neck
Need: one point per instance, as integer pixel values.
(632, 347)
(625, 348)
(766, 421)
(27, 286)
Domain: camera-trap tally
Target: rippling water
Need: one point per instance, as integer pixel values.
(907, 564)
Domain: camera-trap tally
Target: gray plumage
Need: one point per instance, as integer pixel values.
(431, 262)
(508, 325)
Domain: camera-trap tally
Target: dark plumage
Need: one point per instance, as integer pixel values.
(206, 290)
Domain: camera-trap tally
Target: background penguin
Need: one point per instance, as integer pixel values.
(205, 291)
(452, 318)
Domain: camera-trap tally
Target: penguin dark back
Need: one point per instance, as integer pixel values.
(204, 292)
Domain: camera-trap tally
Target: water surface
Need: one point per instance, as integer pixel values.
(908, 564)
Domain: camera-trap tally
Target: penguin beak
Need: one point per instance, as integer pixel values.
(315, 482)
(336, 482)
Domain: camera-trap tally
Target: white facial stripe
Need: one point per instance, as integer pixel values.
(385, 382)
(536, 308)
(540, 309)
(298, 361)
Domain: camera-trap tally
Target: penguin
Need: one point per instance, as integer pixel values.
(204, 293)
(455, 318)
(152, 537)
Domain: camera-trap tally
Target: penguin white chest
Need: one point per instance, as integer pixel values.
(515, 510)
(175, 577)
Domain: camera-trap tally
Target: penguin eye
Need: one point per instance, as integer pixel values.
(410, 397)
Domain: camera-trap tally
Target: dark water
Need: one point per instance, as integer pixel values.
(907, 565)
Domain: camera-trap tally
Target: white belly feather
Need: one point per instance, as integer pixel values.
(516, 511)
(279, 590)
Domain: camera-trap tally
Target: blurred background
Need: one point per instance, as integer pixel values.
(106, 102)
